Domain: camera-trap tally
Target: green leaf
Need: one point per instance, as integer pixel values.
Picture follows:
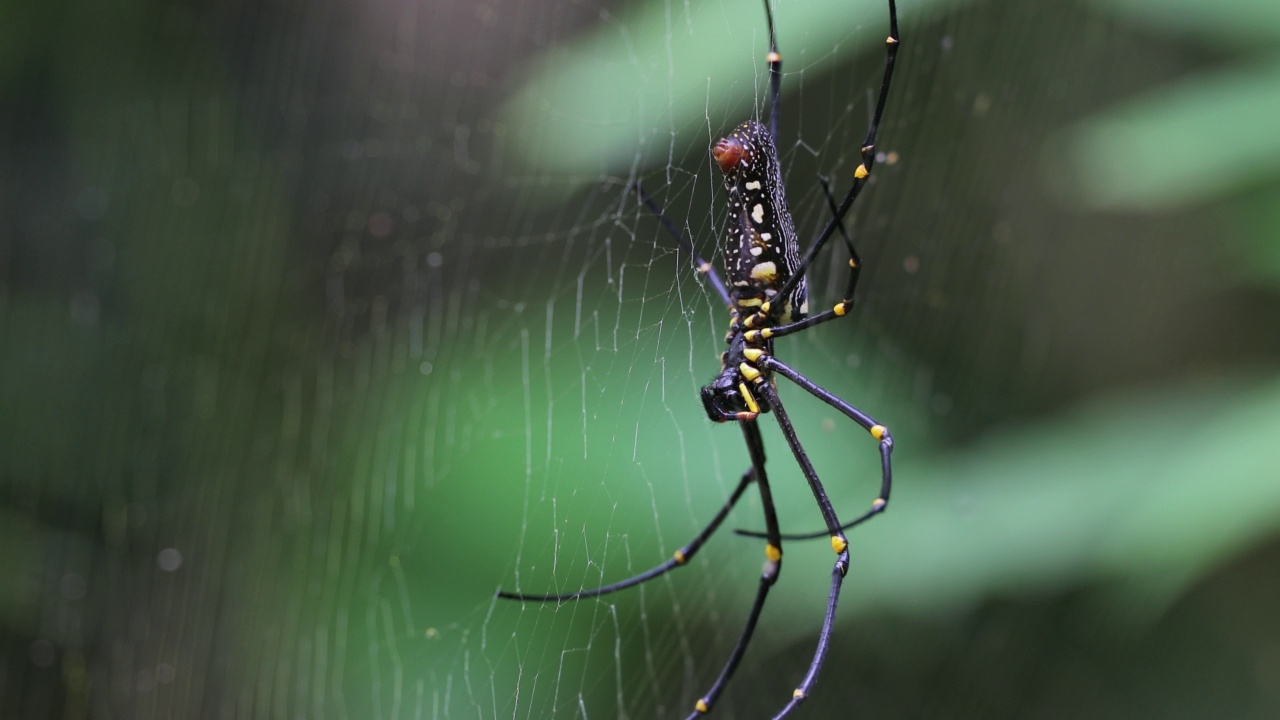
(591, 106)
(1189, 143)
(1139, 494)
(1233, 19)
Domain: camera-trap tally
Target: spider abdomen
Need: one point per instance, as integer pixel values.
(761, 251)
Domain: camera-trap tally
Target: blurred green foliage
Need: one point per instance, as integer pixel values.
(319, 322)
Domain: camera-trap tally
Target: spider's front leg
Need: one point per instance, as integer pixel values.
(768, 576)
(878, 432)
(839, 544)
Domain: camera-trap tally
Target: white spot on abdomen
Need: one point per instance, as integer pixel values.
(765, 271)
(757, 213)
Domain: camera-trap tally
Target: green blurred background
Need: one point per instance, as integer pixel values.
(321, 321)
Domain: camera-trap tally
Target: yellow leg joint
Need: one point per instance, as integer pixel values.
(879, 503)
(861, 172)
(753, 354)
(878, 431)
(748, 372)
(752, 336)
(773, 552)
(704, 268)
(838, 544)
(702, 706)
(765, 307)
(798, 693)
(749, 398)
(840, 309)
(680, 558)
(774, 56)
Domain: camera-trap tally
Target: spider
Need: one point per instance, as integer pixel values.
(767, 298)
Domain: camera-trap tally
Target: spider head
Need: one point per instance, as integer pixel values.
(723, 397)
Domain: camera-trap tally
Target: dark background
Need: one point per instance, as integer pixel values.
(321, 321)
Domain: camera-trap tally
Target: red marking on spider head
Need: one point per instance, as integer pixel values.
(729, 152)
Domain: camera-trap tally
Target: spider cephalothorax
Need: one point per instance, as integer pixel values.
(728, 396)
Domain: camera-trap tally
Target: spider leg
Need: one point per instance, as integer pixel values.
(681, 556)
(860, 176)
(769, 576)
(838, 544)
(877, 431)
(855, 270)
(855, 260)
(699, 264)
(774, 59)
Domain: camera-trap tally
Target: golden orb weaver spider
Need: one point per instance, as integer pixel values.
(767, 298)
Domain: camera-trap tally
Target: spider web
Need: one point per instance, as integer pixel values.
(624, 467)
(325, 321)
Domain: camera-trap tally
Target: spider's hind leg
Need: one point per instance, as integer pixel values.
(774, 58)
(855, 260)
(860, 176)
(701, 265)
